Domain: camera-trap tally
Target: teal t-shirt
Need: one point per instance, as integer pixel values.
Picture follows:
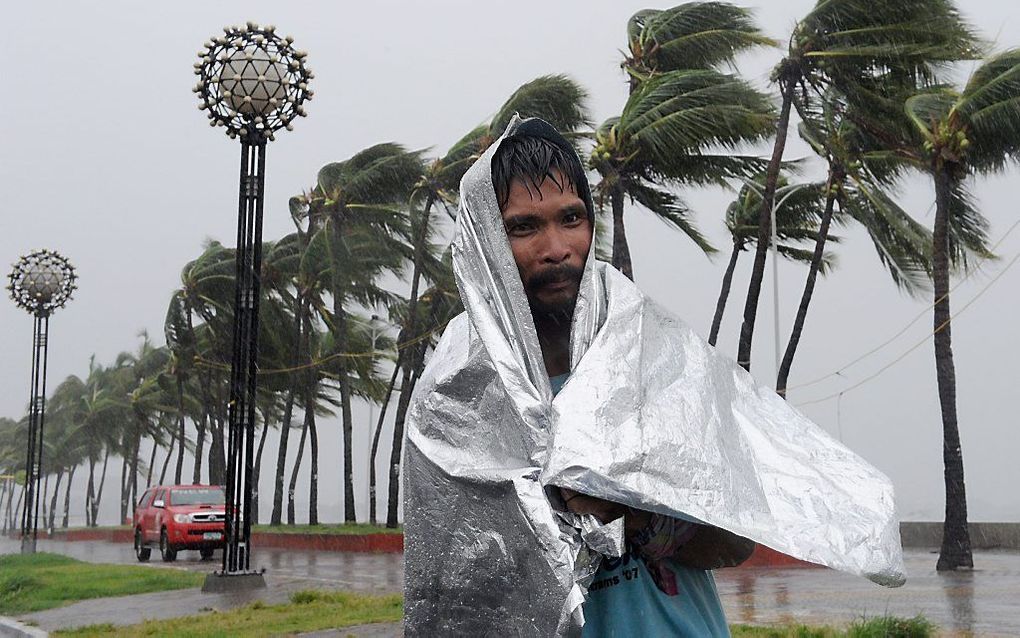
(624, 600)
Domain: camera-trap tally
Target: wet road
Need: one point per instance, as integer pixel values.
(984, 602)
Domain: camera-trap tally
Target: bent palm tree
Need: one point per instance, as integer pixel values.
(361, 232)
(855, 184)
(840, 44)
(693, 35)
(678, 129)
(962, 133)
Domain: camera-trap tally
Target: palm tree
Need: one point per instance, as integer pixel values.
(796, 221)
(677, 129)
(284, 278)
(694, 35)
(435, 308)
(206, 293)
(662, 45)
(358, 226)
(856, 185)
(93, 404)
(962, 134)
(840, 44)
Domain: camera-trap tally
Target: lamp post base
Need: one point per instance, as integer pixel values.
(27, 545)
(219, 582)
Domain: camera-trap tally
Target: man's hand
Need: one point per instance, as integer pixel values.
(713, 548)
(605, 511)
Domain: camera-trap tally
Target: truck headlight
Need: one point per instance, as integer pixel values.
(182, 518)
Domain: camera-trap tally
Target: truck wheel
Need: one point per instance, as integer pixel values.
(206, 554)
(168, 553)
(142, 552)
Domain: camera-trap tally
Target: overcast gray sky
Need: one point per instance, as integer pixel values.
(106, 159)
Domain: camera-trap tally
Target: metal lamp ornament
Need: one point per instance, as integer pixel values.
(41, 282)
(253, 83)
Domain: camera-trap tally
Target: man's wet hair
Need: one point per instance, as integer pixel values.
(532, 160)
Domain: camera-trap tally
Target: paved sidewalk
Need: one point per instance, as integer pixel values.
(983, 602)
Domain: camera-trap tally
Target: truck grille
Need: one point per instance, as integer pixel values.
(208, 517)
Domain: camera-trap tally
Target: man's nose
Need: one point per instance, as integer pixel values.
(555, 249)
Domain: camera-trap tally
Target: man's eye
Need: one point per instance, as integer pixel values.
(571, 219)
(520, 229)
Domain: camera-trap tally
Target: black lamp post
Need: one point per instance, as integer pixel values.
(253, 83)
(41, 282)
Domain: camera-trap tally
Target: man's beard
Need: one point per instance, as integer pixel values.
(556, 313)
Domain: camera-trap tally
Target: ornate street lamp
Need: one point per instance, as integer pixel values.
(253, 83)
(40, 282)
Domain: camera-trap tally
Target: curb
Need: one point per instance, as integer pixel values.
(371, 543)
(11, 628)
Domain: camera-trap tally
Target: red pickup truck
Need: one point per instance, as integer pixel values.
(176, 517)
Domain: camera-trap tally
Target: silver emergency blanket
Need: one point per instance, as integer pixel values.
(651, 417)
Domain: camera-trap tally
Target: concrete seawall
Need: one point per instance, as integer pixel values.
(982, 535)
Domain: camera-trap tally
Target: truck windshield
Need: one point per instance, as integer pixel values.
(197, 496)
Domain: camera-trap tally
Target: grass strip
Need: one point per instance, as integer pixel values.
(313, 610)
(43, 581)
(879, 627)
(308, 611)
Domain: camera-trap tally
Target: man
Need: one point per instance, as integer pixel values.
(574, 453)
(661, 586)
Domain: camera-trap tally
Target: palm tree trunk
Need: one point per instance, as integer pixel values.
(45, 493)
(216, 451)
(406, 384)
(724, 293)
(152, 462)
(180, 430)
(17, 508)
(375, 444)
(257, 470)
(399, 419)
(90, 491)
(134, 474)
(342, 345)
(53, 502)
(956, 550)
(621, 251)
(415, 356)
(5, 503)
(4, 498)
(67, 497)
(196, 473)
(835, 180)
(99, 492)
(276, 517)
(124, 486)
(340, 320)
(765, 227)
(398, 443)
(166, 463)
(288, 413)
(313, 483)
(294, 472)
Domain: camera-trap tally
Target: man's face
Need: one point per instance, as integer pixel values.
(549, 235)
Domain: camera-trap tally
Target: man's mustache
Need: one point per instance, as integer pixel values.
(555, 274)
